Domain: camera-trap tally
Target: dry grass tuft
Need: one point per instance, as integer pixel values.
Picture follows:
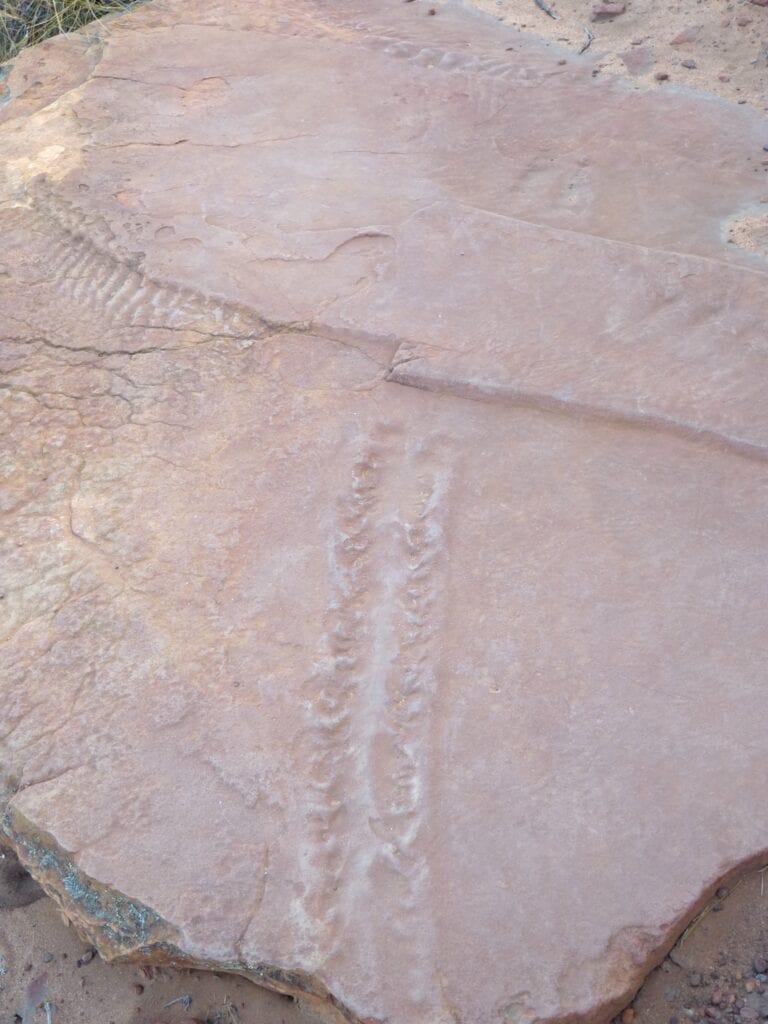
(23, 22)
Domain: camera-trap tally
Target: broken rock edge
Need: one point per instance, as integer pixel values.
(126, 930)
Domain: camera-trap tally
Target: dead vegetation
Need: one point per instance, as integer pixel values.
(23, 22)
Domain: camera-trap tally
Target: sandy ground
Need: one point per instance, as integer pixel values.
(726, 41)
(49, 976)
(717, 971)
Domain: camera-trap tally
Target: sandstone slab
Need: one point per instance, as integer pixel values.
(384, 535)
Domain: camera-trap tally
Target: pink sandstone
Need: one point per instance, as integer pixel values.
(384, 534)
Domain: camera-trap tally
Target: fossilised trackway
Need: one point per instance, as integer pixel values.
(384, 535)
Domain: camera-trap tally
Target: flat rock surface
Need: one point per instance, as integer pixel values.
(384, 570)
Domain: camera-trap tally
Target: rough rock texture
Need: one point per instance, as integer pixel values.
(384, 520)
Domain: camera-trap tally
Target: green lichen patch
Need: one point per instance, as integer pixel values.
(116, 924)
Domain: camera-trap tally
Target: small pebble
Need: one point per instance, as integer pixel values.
(759, 963)
(689, 63)
(750, 984)
(661, 76)
(721, 893)
(47, 957)
(609, 10)
(688, 35)
(138, 989)
(717, 997)
(628, 1016)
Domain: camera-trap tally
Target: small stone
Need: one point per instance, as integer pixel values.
(138, 989)
(694, 980)
(746, 1013)
(689, 64)
(628, 1016)
(661, 76)
(688, 35)
(609, 10)
(87, 956)
(717, 997)
(721, 893)
(47, 957)
(712, 1013)
(759, 3)
(750, 984)
(724, 78)
(743, 22)
(760, 965)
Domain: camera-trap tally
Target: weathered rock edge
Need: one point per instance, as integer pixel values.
(124, 930)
